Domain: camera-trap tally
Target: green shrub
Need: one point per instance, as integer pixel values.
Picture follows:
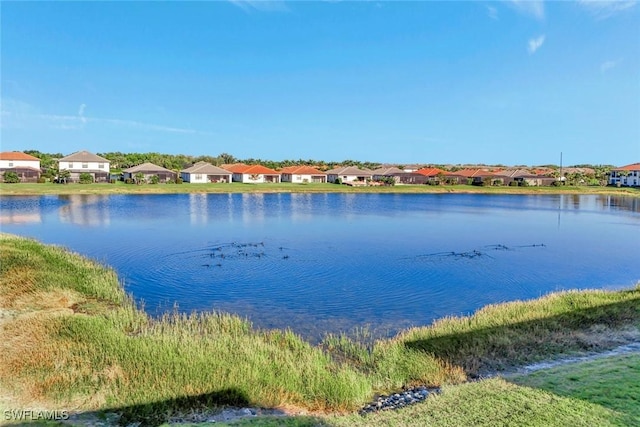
(42, 180)
(86, 178)
(10, 177)
(154, 179)
(513, 184)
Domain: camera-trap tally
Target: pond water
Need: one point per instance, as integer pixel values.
(334, 262)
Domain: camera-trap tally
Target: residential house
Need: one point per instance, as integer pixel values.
(24, 165)
(349, 175)
(523, 177)
(203, 172)
(149, 170)
(253, 174)
(628, 176)
(439, 176)
(400, 176)
(479, 177)
(302, 174)
(85, 162)
(385, 172)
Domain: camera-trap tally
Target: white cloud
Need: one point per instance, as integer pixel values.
(261, 5)
(492, 12)
(534, 8)
(18, 115)
(605, 9)
(81, 113)
(535, 44)
(607, 65)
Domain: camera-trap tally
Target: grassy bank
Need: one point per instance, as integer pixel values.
(70, 338)
(121, 188)
(612, 383)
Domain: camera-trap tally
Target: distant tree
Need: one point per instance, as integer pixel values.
(227, 158)
(10, 177)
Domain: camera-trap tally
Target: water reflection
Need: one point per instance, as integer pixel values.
(198, 208)
(31, 212)
(85, 210)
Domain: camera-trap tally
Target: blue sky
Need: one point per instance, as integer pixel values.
(511, 82)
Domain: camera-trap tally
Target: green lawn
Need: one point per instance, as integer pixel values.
(121, 188)
(613, 383)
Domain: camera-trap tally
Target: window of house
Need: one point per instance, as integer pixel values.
(198, 176)
(70, 165)
(85, 166)
(10, 164)
(101, 165)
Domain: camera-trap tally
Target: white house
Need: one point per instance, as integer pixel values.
(85, 162)
(24, 165)
(627, 176)
(302, 174)
(253, 174)
(349, 174)
(203, 172)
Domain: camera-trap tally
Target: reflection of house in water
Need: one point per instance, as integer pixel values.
(631, 204)
(253, 208)
(198, 208)
(83, 209)
(12, 216)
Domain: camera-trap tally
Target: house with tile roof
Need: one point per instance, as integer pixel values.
(626, 176)
(439, 176)
(523, 177)
(302, 174)
(85, 162)
(480, 176)
(400, 176)
(27, 167)
(349, 175)
(252, 174)
(149, 170)
(203, 172)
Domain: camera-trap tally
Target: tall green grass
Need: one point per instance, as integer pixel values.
(71, 337)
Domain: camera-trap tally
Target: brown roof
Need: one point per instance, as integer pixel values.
(631, 167)
(430, 171)
(206, 168)
(16, 155)
(301, 170)
(388, 171)
(83, 156)
(469, 173)
(349, 170)
(146, 167)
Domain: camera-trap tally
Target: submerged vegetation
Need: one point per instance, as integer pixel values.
(71, 338)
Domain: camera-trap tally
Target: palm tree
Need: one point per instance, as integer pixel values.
(64, 175)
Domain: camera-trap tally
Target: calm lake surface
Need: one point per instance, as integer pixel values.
(332, 262)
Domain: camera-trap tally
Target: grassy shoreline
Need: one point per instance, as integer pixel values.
(27, 189)
(71, 338)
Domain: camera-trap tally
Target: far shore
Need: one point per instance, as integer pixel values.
(33, 189)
